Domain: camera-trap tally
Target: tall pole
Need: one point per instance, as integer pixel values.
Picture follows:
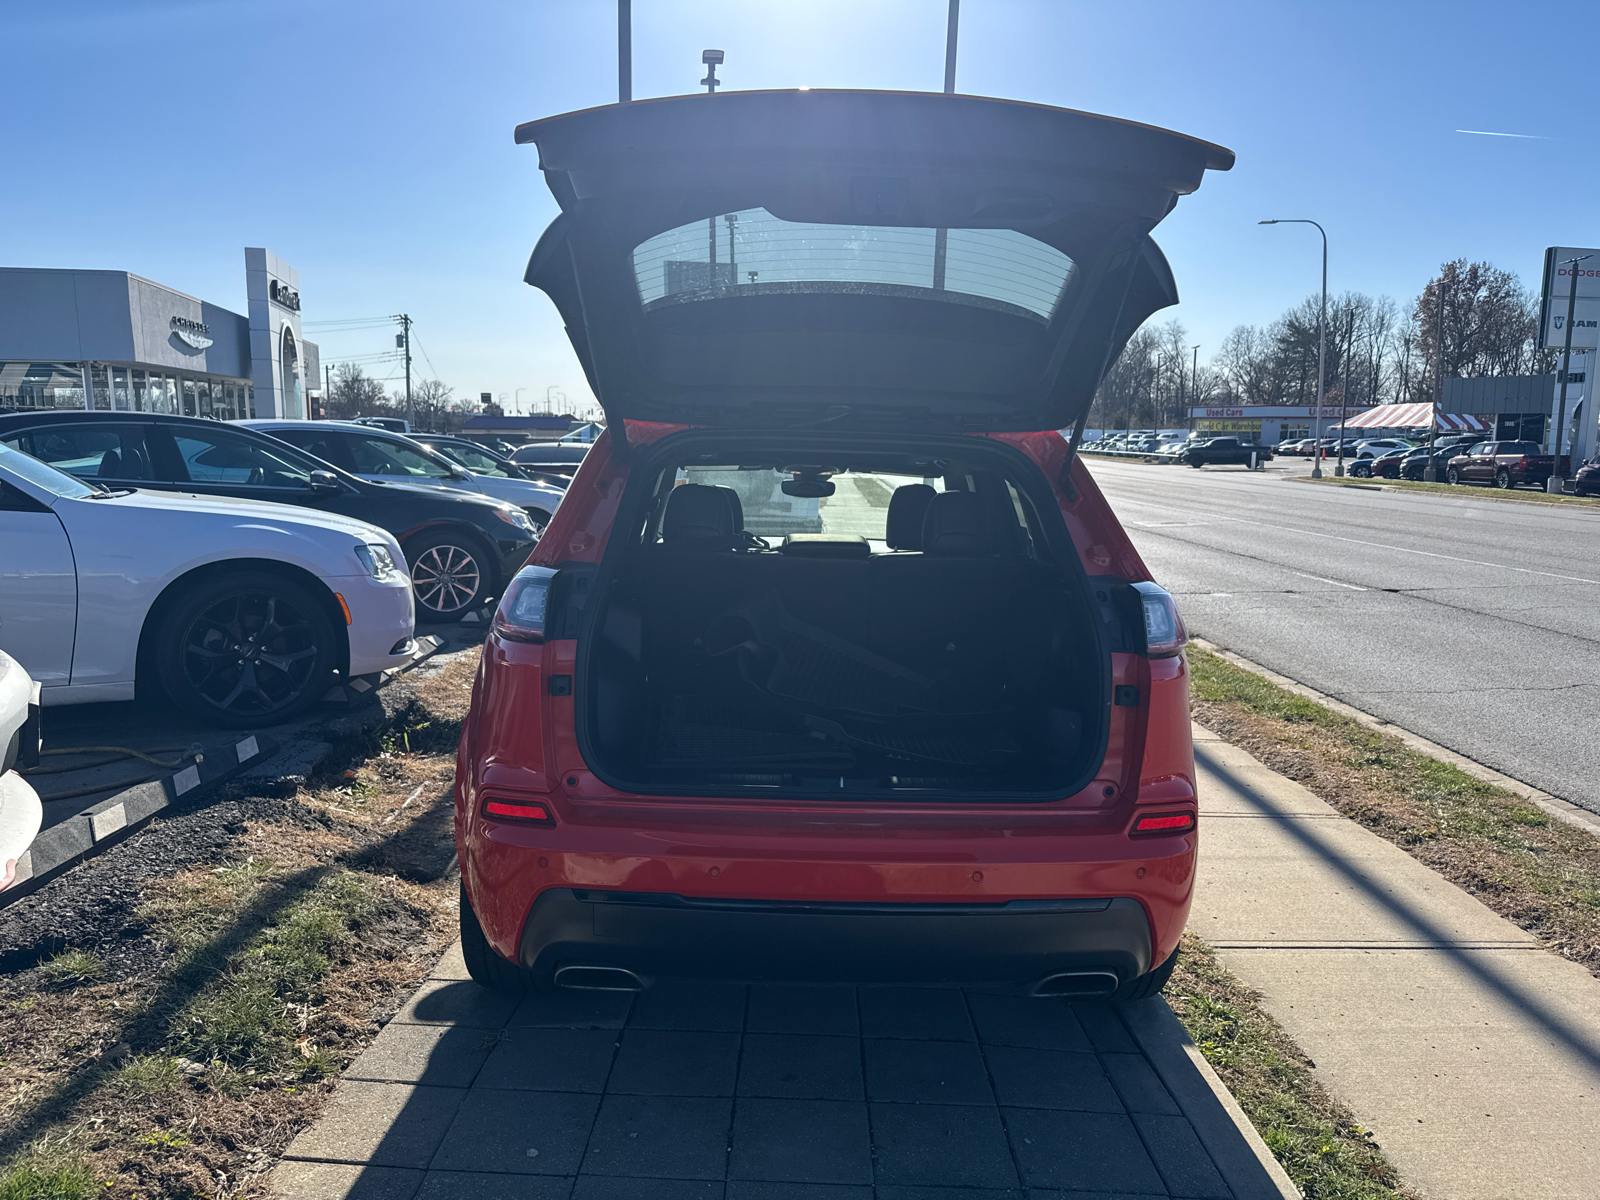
(411, 412)
(327, 386)
(624, 51)
(1557, 483)
(1430, 473)
(941, 237)
(1194, 376)
(1322, 339)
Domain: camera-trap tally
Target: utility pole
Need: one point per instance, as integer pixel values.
(624, 51)
(941, 237)
(711, 58)
(1430, 473)
(327, 386)
(403, 341)
(1194, 376)
(1557, 483)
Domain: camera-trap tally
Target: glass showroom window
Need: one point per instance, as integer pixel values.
(202, 388)
(99, 380)
(139, 389)
(31, 385)
(121, 400)
(190, 402)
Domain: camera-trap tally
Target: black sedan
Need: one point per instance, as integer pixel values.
(461, 547)
(1416, 461)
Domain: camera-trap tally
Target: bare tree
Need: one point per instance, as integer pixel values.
(355, 394)
(1473, 319)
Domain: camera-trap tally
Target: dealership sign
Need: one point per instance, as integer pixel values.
(191, 333)
(1257, 412)
(1564, 280)
(282, 293)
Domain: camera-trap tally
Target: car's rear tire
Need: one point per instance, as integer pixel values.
(1502, 479)
(1150, 983)
(246, 649)
(484, 964)
(1361, 470)
(1196, 463)
(1452, 476)
(451, 574)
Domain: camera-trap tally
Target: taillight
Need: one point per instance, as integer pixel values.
(521, 614)
(1164, 634)
(1164, 823)
(518, 810)
(1522, 463)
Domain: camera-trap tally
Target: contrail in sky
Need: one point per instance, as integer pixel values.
(1491, 133)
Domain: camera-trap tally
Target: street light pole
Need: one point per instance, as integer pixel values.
(1322, 339)
(1557, 483)
(516, 398)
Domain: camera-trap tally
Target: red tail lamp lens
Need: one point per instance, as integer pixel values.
(1164, 823)
(518, 811)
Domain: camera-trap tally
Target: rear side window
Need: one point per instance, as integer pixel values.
(329, 447)
(380, 456)
(217, 456)
(88, 451)
(753, 252)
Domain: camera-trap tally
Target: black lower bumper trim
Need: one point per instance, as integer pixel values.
(663, 935)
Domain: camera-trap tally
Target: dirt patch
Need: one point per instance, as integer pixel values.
(1311, 1134)
(1540, 873)
(176, 1010)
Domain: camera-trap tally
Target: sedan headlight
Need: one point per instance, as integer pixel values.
(517, 517)
(378, 562)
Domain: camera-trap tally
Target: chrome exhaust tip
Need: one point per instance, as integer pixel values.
(598, 979)
(1077, 985)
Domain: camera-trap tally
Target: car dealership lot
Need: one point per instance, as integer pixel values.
(1470, 622)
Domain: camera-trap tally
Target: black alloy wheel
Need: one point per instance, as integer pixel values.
(450, 575)
(247, 650)
(1502, 479)
(1452, 476)
(540, 519)
(1362, 470)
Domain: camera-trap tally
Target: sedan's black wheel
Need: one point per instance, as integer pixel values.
(247, 650)
(450, 575)
(1362, 470)
(1452, 476)
(540, 519)
(1195, 462)
(1502, 479)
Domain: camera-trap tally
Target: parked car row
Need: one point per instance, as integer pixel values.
(242, 566)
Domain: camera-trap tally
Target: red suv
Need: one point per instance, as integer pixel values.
(834, 663)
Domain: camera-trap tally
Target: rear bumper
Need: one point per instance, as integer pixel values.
(656, 934)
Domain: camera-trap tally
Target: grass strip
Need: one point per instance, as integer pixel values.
(1461, 491)
(1539, 873)
(1311, 1134)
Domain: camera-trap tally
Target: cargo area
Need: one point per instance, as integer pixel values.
(913, 632)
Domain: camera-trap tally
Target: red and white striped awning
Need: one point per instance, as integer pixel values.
(1414, 416)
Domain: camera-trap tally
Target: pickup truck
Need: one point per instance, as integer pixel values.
(1225, 450)
(1504, 464)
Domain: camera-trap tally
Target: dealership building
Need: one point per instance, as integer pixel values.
(113, 341)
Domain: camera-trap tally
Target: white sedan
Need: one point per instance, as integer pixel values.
(241, 611)
(20, 811)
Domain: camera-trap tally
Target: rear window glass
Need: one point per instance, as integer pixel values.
(859, 505)
(753, 252)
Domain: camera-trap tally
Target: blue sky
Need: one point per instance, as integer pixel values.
(369, 144)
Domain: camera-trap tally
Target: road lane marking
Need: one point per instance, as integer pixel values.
(1335, 582)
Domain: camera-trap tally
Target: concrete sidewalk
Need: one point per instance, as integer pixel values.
(1472, 1054)
(726, 1092)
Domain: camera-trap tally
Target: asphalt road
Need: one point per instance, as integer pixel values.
(1472, 622)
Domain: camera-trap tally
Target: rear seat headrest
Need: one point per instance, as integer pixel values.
(700, 517)
(908, 508)
(955, 525)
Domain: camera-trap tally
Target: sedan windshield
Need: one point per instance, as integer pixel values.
(753, 252)
(58, 483)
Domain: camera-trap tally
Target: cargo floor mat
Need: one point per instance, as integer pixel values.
(729, 731)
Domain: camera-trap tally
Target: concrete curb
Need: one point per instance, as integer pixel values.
(103, 824)
(1228, 1136)
(1562, 810)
